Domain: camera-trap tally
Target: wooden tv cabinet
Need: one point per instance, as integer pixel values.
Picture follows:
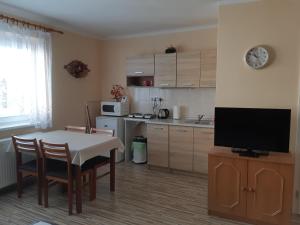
(254, 190)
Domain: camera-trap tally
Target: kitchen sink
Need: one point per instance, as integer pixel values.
(200, 122)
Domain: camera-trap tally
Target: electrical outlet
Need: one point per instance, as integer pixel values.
(156, 99)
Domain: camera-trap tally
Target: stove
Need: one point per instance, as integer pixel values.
(142, 116)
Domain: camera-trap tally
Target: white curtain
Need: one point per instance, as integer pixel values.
(25, 77)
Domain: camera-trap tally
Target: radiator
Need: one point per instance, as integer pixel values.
(7, 164)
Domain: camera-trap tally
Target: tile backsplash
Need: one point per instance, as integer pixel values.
(191, 101)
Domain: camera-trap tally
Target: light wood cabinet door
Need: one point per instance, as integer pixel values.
(181, 148)
(188, 69)
(227, 185)
(158, 145)
(203, 142)
(165, 70)
(208, 68)
(270, 192)
(140, 66)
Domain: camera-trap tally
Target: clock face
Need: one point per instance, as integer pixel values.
(257, 57)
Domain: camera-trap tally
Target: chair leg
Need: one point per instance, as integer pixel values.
(19, 184)
(40, 190)
(45, 186)
(70, 197)
(112, 169)
(92, 184)
(84, 179)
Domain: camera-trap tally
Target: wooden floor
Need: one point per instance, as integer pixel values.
(142, 196)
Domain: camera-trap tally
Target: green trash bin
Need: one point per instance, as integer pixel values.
(139, 149)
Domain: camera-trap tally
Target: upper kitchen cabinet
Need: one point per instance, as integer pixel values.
(140, 66)
(208, 68)
(188, 69)
(165, 70)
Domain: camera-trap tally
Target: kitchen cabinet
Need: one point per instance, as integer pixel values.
(208, 68)
(165, 70)
(140, 66)
(181, 148)
(188, 69)
(255, 190)
(203, 142)
(227, 178)
(158, 145)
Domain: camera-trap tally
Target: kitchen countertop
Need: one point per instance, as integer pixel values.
(170, 122)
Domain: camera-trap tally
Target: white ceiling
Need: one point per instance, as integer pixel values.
(119, 18)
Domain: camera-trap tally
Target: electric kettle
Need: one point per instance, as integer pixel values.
(163, 113)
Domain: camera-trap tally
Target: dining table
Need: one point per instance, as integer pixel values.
(82, 147)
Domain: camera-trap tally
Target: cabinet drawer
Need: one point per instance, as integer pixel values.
(107, 123)
(158, 145)
(181, 148)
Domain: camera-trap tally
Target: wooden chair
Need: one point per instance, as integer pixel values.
(100, 161)
(31, 168)
(108, 132)
(57, 167)
(76, 129)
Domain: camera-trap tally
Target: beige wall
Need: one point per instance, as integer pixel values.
(114, 52)
(70, 94)
(242, 26)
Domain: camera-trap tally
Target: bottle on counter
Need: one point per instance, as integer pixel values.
(176, 112)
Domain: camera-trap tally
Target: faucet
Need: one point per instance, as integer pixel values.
(200, 117)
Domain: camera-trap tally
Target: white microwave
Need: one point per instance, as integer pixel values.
(110, 108)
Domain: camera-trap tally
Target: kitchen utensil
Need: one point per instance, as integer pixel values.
(163, 113)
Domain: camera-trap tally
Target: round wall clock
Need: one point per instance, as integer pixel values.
(257, 57)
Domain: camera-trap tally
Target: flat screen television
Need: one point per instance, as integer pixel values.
(253, 129)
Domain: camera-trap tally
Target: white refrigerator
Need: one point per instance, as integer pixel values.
(115, 123)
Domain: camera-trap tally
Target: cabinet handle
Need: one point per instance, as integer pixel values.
(244, 189)
(138, 72)
(163, 84)
(188, 85)
(158, 128)
(182, 131)
(251, 189)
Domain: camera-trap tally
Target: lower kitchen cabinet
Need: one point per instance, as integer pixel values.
(158, 145)
(203, 142)
(181, 148)
(255, 190)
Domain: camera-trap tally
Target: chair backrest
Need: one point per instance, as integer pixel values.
(76, 129)
(56, 151)
(22, 145)
(108, 132)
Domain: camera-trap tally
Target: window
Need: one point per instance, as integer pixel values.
(25, 77)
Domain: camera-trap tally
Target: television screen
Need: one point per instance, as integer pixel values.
(253, 128)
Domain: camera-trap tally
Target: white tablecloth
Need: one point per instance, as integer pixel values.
(82, 146)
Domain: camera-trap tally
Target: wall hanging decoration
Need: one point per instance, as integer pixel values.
(77, 69)
(117, 92)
